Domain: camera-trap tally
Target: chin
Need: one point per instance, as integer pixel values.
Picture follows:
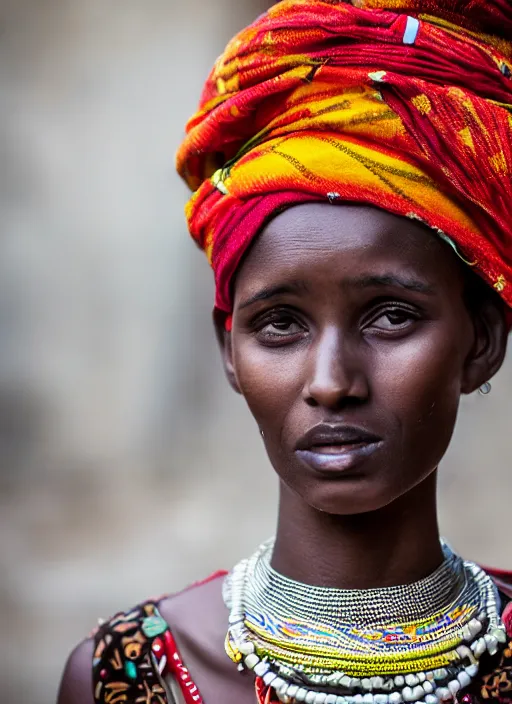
(349, 497)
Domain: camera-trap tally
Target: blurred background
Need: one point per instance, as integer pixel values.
(127, 467)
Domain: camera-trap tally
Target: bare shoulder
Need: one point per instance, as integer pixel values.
(199, 608)
(198, 619)
(76, 683)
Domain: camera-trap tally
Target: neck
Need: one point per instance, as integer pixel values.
(397, 544)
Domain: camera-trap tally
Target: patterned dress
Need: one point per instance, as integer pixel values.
(136, 660)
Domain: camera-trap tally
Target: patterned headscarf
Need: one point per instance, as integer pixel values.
(401, 104)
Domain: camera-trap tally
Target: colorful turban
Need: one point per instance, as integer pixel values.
(401, 104)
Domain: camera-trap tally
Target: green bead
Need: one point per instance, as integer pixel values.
(131, 669)
(153, 626)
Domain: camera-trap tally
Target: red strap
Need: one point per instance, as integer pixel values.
(176, 667)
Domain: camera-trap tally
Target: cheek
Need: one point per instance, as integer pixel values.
(420, 384)
(269, 380)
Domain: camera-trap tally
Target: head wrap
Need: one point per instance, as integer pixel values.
(401, 104)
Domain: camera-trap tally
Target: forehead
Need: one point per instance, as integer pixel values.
(335, 241)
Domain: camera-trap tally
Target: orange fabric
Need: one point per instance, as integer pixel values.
(322, 100)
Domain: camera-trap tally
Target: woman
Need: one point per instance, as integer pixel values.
(351, 169)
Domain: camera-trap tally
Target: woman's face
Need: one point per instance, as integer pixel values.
(351, 343)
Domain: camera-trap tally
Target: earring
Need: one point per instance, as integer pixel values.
(485, 389)
(262, 433)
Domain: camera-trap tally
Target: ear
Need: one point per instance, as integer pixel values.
(225, 346)
(489, 344)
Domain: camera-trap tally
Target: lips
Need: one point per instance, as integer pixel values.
(328, 448)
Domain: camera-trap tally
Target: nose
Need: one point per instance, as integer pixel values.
(336, 374)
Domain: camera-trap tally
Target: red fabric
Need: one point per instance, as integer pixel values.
(502, 579)
(507, 619)
(449, 99)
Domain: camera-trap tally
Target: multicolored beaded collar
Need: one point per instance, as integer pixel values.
(415, 643)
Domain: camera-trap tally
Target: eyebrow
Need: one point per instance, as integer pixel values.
(372, 281)
(369, 281)
(265, 294)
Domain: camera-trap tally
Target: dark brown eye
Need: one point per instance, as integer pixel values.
(281, 328)
(393, 319)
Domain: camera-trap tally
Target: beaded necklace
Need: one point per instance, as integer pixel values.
(414, 643)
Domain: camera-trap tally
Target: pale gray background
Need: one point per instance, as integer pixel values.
(127, 467)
